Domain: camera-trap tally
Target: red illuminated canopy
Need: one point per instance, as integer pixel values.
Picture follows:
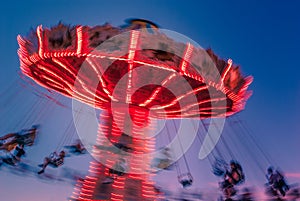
(105, 65)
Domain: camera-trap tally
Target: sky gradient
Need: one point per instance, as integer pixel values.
(261, 36)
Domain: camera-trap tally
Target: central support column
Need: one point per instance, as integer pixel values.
(130, 128)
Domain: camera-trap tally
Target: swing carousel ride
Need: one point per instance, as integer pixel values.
(134, 75)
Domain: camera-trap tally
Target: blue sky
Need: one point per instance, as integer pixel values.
(261, 36)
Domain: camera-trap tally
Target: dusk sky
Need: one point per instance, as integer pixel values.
(260, 36)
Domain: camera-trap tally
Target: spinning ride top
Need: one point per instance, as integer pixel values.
(134, 76)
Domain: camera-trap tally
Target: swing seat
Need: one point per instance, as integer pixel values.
(123, 147)
(229, 191)
(185, 183)
(186, 180)
(74, 150)
(163, 164)
(56, 163)
(9, 161)
(116, 172)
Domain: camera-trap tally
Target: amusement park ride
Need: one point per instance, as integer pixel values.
(134, 74)
(128, 73)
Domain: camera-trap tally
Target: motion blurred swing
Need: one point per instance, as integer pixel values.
(242, 139)
(57, 160)
(20, 109)
(268, 161)
(31, 110)
(216, 158)
(184, 178)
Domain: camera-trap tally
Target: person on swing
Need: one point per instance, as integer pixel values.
(118, 169)
(54, 159)
(25, 137)
(276, 181)
(233, 177)
(76, 148)
(15, 155)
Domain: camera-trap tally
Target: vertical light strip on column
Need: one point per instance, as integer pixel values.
(85, 190)
(117, 192)
(134, 37)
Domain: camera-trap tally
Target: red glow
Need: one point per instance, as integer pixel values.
(59, 69)
(229, 64)
(186, 57)
(79, 40)
(134, 37)
(39, 32)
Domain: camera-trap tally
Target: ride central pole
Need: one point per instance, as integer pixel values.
(131, 128)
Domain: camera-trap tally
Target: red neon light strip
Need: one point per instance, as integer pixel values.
(54, 75)
(104, 87)
(86, 99)
(79, 40)
(229, 64)
(87, 192)
(134, 37)
(157, 90)
(67, 68)
(22, 50)
(176, 100)
(39, 32)
(186, 57)
(186, 108)
(163, 67)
